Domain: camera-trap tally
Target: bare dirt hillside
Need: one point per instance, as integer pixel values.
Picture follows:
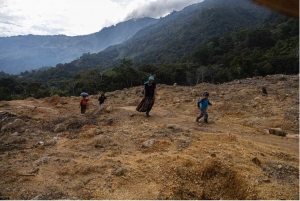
(48, 150)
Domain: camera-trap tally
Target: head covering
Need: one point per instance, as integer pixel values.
(206, 94)
(84, 94)
(149, 79)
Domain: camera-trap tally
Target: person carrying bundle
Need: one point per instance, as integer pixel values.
(83, 102)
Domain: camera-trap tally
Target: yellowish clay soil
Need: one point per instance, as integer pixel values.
(48, 150)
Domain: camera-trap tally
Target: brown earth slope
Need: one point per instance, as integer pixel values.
(48, 150)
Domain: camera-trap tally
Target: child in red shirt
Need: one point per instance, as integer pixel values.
(83, 104)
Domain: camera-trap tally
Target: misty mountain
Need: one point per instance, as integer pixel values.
(178, 33)
(21, 53)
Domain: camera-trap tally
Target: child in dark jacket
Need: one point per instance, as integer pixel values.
(202, 105)
(101, 99)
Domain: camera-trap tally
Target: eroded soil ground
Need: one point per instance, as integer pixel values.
(48, 150)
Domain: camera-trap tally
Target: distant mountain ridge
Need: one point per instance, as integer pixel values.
(181, 31)
(21, 53)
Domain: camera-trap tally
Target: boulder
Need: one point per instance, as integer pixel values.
(277, 131)
(148, 143)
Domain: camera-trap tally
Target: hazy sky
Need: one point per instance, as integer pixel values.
(77, 17)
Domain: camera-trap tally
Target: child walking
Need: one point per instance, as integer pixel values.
(202, 105)
(83, 104)
(101, 99)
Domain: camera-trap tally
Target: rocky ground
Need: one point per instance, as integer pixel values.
(48, 150)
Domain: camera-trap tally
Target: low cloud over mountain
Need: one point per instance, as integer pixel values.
(77, 17)
(160, 8)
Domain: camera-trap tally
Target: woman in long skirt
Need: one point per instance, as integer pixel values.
(149, 96)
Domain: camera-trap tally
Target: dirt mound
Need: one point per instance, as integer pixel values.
(55, 99)
(211, 180)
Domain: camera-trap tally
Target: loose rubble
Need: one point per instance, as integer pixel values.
(250, 149)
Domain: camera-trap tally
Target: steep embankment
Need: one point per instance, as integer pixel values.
(114, 152)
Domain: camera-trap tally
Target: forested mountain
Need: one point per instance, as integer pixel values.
(183, 31)
(21, 53)
(176, 34)
(213, 41)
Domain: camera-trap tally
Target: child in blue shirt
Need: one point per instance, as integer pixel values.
(202, 104)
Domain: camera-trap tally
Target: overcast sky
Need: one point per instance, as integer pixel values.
(77, 17)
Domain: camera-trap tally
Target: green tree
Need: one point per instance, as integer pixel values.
(5, 94)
